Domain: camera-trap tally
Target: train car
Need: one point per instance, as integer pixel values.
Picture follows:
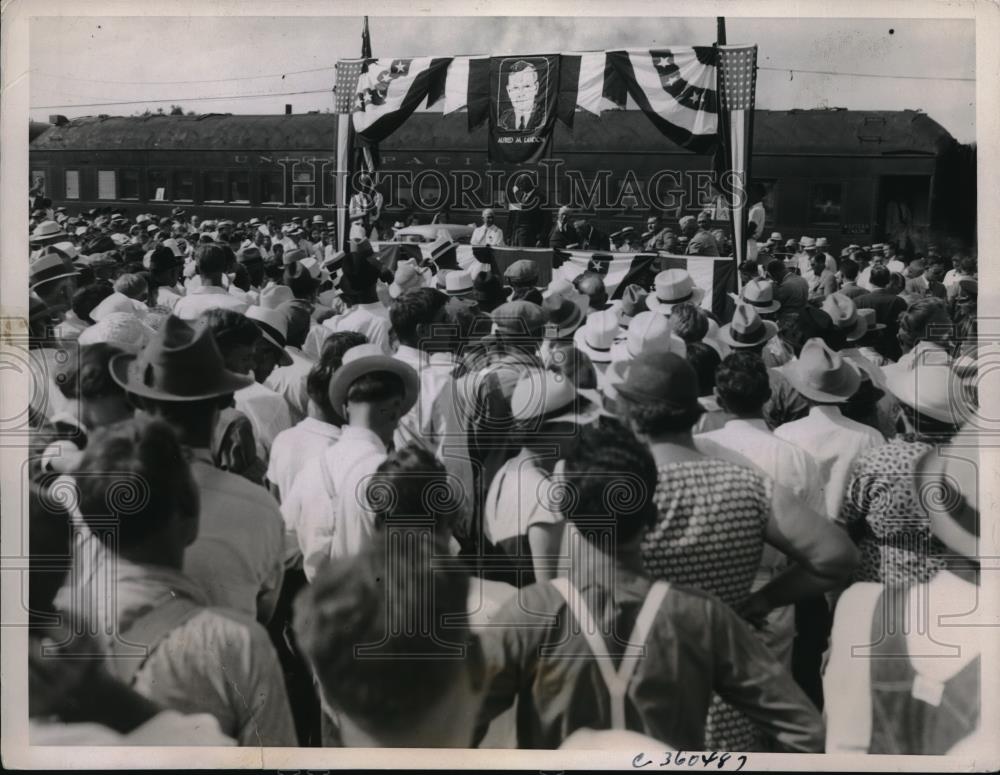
(851, 176)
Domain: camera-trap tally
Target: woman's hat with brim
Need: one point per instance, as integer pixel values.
(182, 362)
(950, 474)
(274, 326)
(928, 383)
(747, 329)
(367, 359)
(673, 287)
(822, 375)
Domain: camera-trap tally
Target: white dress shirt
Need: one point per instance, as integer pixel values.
(833, 441)
(436, 421)
(487, 235)
(268, 413)
(204, 298)
(290, 382)
(294, 448)
(371, 319)
(326, 512)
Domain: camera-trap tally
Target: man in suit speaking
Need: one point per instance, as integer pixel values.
(525, 114)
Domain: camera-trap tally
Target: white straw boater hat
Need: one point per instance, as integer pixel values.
(673, 287)
(648, 332)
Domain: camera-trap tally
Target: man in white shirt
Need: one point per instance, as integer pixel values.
(210, 293)
(289, 381)
(438, 422)
(488, 233)
(826, 379)
(742, 388)
(327, 511)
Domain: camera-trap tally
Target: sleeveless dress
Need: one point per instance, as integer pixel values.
(710, 536)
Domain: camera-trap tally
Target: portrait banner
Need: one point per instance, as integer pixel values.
(524, 94)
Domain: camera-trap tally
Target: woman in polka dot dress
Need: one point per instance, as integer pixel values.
(715, 517)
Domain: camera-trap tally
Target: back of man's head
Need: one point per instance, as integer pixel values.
(384, 634)
(742, 384)
(607, 461)
(776, 270)
(412, 314)
(849, 269)
(880, 276)
(592, 285)
(136, 489)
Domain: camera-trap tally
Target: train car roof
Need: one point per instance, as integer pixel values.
(791, 132)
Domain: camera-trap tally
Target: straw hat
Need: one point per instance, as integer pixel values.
(408, 277)
(563, 317)
(822, 375)
(539, 393)
(928, 383)
(121, 329)
(844, 314)
(597, 335)
(747, 328)
(275, 295)
(759, 294)
(868, 317)
(365, 359)
(649, 332)
(673, 287)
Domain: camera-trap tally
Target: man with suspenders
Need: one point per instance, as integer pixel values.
(607, 648)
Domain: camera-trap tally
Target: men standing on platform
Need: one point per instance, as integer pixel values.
(563, 234)
(700, 239)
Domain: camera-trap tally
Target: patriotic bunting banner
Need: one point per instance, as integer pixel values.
(716, 275)
(674, 87)
(382, 93)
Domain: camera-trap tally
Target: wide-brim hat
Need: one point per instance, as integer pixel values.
(928, 383)
(48, 267)
(563, 317)
(673, 287)
(539, 393)
(273, 326)
(366, 359)
(649, 332)
(596, 337)
(408, 277)
(759, 294)
(182, 362)
(868, 316)
(458, 284)
(844, 315)
(747, 328)
(633, 302)
(822, 375)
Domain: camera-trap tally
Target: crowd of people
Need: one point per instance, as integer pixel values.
(284, 495)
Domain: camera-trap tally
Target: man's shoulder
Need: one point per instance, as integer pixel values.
(224, 628)
(253, 497)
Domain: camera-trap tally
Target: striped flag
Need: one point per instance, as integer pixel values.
(674, 87)
(380, 94)
(737, 89)
(713, 274)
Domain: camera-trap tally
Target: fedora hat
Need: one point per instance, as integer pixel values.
(274, 296)
(541, 393)
(47, 267)
(458, 284)
(365, 359)
(747, 329)
(292, 256)
(408, 277)
(597, 335)
(928, 383)
(759, 294)
(807, 243)
(633, 302)
(673, 287)
(822, 375)
(123, 330)
(182, 362)
(563, 317)
(868, 316)
(648, 332)
(488, 290)
(46, 230)
(273, 324)
(523, 273)
(661, 377)
(519, 318)
(822, 242)
(844, 314)
(775, 238)
(118, 302)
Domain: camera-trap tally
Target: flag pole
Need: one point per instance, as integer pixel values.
(720, 30)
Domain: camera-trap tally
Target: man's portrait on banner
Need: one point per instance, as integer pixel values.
(522, 96)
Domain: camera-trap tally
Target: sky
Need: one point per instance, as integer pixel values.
(182, 59)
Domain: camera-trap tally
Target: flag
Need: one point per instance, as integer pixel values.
(583, 77)
(737, 86)
(380, 94)
(674, 87)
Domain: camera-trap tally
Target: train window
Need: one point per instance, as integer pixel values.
(215, 186)
(303, 172)
(158, 185)
(303, 195)
(72, 184)
(106, 186)
(824, 204)
(272, 187)
(239, 187)
(128, 183)
(184, 186)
